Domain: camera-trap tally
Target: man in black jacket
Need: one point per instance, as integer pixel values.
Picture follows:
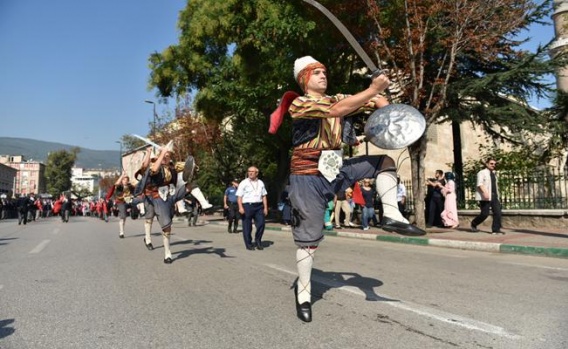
(23, 204)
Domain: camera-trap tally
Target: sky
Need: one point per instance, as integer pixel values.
(76, 71)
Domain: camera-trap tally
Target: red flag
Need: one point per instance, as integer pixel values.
(358, 195)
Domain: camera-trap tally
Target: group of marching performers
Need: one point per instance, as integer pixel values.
(317, 171)
(161, 184)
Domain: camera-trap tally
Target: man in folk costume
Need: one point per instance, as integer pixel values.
(162, 189)
(123, 191)
(145, 188)
(317, 170)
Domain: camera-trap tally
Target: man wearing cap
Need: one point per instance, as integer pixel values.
(230, 204)
(317, 168)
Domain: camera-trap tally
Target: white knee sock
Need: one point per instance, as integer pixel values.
(386, 188)
(166, 240)
(196, 192)
(304, 263)
(121, 226)
(148, 231)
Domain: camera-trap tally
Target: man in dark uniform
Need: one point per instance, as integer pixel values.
(230, 204)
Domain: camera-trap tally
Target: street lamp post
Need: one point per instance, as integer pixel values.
(120, 156)
(155, 116)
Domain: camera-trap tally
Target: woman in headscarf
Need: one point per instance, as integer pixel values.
(450, 213)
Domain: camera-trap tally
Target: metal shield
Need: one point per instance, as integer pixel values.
(395, 126)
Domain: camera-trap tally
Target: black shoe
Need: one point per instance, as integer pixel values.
(401, 228)
(188, 169)
(229, 230)
(121, 236)
(250, 248)
(168, 260)
(235, 231)
(473, 229)
(148, 246)
(304, 310)
(259, 246)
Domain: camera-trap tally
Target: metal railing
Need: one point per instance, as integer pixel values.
(531, 190)
(537, 189)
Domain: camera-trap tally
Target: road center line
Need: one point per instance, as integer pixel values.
(429, 312)
(40, 246)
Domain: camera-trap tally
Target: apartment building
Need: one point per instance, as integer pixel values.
(30, 175)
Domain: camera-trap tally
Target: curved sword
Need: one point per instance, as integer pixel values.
(350, 38)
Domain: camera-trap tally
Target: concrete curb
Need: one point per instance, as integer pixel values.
(456, 244)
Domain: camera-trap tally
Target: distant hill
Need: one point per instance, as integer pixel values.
(38, 150)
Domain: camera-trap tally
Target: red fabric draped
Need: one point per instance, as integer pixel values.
(278, 115)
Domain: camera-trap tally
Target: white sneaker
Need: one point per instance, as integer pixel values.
(366, 228)
(351, 224)
(206, 206)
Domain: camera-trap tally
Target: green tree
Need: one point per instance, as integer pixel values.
(58, 170)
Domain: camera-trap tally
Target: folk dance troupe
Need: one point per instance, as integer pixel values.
(318, 172)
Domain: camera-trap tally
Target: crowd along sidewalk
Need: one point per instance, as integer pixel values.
(551, 242)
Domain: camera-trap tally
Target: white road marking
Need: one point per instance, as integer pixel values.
(40, 247)
(535, 266)
(429, 312)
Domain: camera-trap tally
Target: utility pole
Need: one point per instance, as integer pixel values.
(120, 157)
(153, 131)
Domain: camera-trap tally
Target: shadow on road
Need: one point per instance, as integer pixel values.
(5, 330)
(323, 281)
(206, 250)
(5, 243)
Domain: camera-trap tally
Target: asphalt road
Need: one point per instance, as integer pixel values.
(77, 285)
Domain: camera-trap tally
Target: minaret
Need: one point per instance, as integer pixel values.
(560, 44)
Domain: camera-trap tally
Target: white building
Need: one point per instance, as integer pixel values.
(79, 179)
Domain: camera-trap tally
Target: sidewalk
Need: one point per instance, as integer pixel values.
(551, 242)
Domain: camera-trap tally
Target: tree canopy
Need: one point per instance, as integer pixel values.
(58, 170)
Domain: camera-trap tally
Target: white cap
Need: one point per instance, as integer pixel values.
(301, 63)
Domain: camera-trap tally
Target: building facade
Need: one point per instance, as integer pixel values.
(7, 180)
(30, 176)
